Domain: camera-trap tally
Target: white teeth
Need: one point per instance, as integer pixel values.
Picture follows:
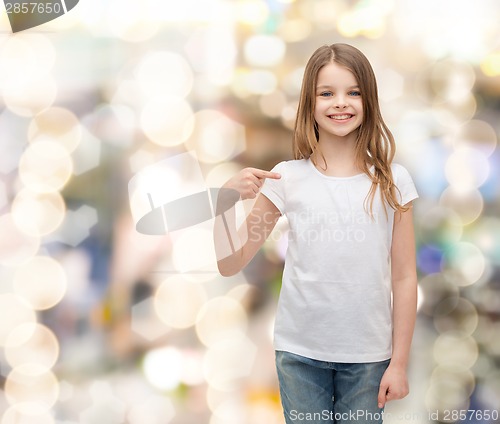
(340, 117)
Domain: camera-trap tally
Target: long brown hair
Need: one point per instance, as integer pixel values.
(374, 143)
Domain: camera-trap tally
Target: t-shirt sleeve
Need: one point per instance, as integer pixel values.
(404, 183)
(274, 189)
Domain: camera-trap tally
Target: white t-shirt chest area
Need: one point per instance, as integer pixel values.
(319, 202)
(330, 227)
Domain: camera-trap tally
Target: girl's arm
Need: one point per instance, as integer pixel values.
(234, 248)
(394, 384)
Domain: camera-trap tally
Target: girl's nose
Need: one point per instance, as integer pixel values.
(340, 103)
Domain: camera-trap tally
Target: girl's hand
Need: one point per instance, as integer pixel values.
(249, 181)
(394, 385)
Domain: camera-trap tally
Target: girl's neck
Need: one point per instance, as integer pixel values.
(339, 154)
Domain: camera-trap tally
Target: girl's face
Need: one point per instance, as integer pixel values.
(339, 108)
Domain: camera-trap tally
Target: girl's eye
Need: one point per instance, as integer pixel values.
(354, 93)
(326, 94)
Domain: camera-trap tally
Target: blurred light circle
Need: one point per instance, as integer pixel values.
(17, 414)
(25, 57)
(417, 130)
(251, 12)
(193, 249)
(212, 52)
(151, 180)
(135, 21)
(456, 376)
(435, 289)
(478, 135)
(468, 260)
(288, 115)
(273, 104)
(14, 311)
(492, 345)
(486, 328)
(220, 319)
(145, 322)
(41, 281)
(263, 408)
(27, 98)
(247, 83)
(488, 300)
(227, 361)
(31, 343)
(114, 124)
(16, 247)
(456, 315)
(19, 60)
(167, 120)
(420, 298)
(164, 72)
(56, 124)
(239, 84)
(33, 388)
(489, 389)
(467, 168)
(216, 137)
(215, 397)
(468, 204)
(155, 409)
(361, 21)
(484, 366)
(291, 83)
(230, 411)
(439, 225)
(163, 367)
(445, 119)
(491, 64)
(264, 50)
(455, 349)
(241, 293)
(192, 372)
(462, 112)
(38, 214)
(429, 258)
(293, 30)
(445, 395)
(348, 25)
(452, 80)
(219, 174)
(126, 93)
(45, 166)
(391, 85)
(3, 195)
(486, 235)
(178, 301)
(259, 82)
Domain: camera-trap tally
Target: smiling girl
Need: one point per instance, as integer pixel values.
(342, 344)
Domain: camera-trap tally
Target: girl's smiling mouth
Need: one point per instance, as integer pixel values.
(343, 117)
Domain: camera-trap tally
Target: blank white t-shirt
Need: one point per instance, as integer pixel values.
(335, 299)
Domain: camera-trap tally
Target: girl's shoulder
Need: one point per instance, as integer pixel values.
(400, 174)
(290, 165)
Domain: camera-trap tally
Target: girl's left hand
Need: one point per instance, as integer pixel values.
(394, 385)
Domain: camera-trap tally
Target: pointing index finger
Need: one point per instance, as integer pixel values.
(267, 174)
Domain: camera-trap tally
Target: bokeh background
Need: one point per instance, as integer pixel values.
(100, 324)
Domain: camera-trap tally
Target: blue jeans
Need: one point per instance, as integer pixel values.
(319, 392)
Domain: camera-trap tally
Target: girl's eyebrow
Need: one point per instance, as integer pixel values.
(329, 86)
